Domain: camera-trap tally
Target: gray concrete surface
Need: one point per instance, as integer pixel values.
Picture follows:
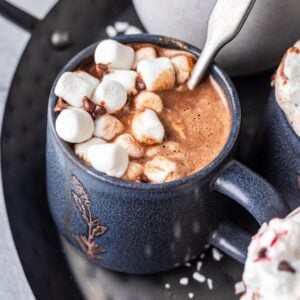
(13, 283)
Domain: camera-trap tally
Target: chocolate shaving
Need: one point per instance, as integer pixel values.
(286, 267)
(88, 105)
(93, 109)
(142, 178)
(262, 254)
(60, 105)
(99, 110)
(101, 69)
(140, 84)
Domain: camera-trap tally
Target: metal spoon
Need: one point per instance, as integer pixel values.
(225, 22)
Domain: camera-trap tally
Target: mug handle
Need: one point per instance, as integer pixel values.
(252, 192)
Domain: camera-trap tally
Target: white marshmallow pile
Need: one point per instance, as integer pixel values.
(158, 73)
(94, 122)
(272, 269)
(144, 53)
(73, 88)
(82, 149)
(126, 78)
(161, 169)
(107, 127)
(133, 148)
(111, 94)
(74, 125)
(115, 54)
(111, 159)
(287, 86)
(147, 128)
(148, 100)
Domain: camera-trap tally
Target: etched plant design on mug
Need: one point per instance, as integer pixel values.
(94, 228)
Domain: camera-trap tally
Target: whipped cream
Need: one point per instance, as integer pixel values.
(272, 269)
(287, 86)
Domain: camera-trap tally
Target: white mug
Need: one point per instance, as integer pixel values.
(272, 26)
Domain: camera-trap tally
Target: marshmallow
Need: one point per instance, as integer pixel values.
(148, 100)
(144, 53)
(125, 78)
(183, 66)
(115, 54)
(111, 94)
(158, 73)
(107, 127)
(74, 125)
(132, 147)
(72, 88)
(147, 128)
(161, 169)
(134, 170)
(111, 159)
(91, 79)
(82, 149)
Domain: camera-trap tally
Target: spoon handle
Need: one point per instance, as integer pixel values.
(225, 22)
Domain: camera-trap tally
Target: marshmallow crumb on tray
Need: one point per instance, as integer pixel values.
(287, 86)
(126, 81)
(272, 269)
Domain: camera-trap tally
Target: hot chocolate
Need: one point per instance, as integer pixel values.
(147, 125)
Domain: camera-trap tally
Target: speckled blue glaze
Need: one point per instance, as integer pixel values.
(145, 228)
(279, 155)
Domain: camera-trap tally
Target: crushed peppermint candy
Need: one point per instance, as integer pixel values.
(239, 288)
(184, 281)
(210, 283)
(199, 277)
(191, 295)
(216, 254)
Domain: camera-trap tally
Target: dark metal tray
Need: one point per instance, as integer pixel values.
(23, 164)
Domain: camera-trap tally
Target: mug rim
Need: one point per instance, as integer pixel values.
(288, 130)
(217, 73)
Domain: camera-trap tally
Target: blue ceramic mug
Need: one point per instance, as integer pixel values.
(278, 157)
(146, 228)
